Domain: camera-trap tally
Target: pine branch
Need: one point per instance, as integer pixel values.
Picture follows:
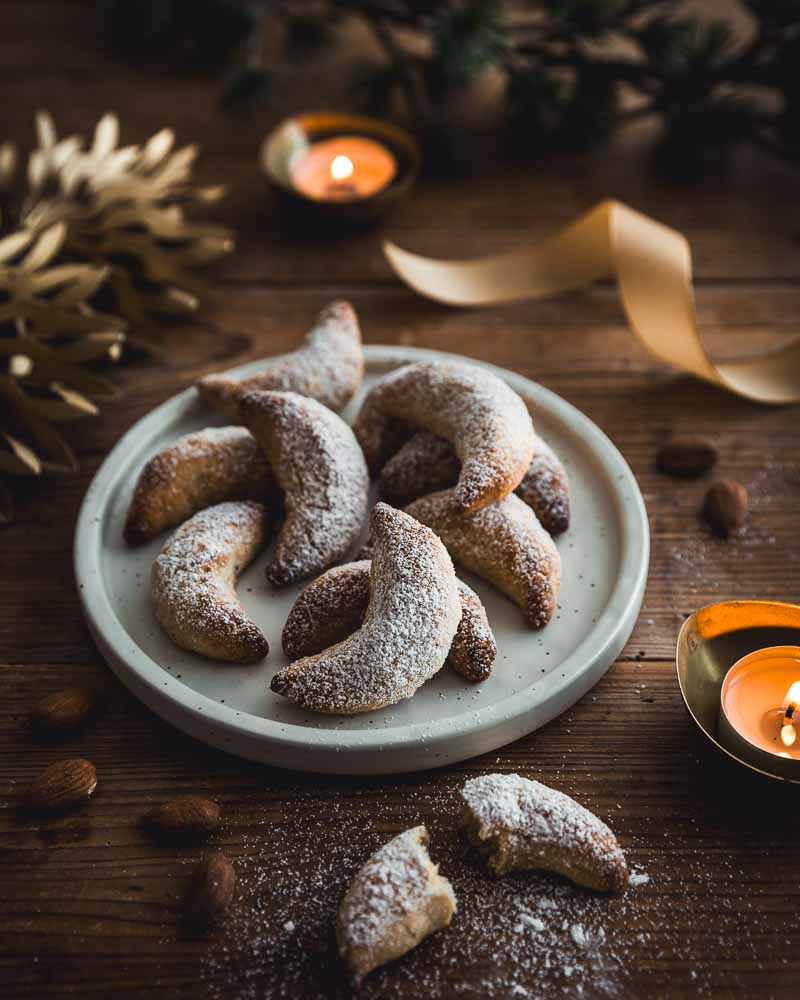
(686, 70)
(409, 81)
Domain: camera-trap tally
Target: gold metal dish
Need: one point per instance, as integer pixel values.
(710, 642)
(297, 133)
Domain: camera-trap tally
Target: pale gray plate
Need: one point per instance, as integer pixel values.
(537, 675)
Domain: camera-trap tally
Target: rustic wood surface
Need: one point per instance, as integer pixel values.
(89, 905)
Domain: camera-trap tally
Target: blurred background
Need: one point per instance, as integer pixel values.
(543, 77)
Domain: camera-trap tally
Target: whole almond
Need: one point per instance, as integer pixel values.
(725, 506)
(63, 712)
(189, 817)
(211, 890)
(687, 456)
(65, 783)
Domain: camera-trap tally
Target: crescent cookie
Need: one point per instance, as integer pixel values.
(427, 463)
(520, 824)
(394, 902)
(197, 471)
(320, 469)
(334, 605)
(484, 420)
(413, 613)
(192, 583)
(329, 366)
(504, 544)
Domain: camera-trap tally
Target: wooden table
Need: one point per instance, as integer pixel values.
(88, 903)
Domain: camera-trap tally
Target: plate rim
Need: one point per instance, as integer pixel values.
(592, 656)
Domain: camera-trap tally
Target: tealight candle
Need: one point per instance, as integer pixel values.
(760, 702)
(339, 170)
(345, 168)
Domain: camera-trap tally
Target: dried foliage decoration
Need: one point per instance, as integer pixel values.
(48, 335)
(97, 246)
(127, 208)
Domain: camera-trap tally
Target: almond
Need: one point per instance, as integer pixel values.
(63, 712)
(65, 783)
(211, 890)
(189, 817)
(687, 456)
(725, 506)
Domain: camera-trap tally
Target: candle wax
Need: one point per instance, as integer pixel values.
(753, 693)
(373, 167)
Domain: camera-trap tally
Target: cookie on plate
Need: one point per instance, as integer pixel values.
(192, 585)
(328, 367)
(485, 421)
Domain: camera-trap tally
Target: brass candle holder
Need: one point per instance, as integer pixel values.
(710, 642)
(296, 137)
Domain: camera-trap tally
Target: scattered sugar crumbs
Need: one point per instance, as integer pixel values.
(526, 935)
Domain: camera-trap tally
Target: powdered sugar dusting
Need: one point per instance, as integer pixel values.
(504, 544)
(328, 610)
(524, 824)
(413, 615)
(192, 583)
(395, 886)
(427, 463)
(235, 446)
(510, 936)
(484, 419)
(321, 470)
(328, 367)
(545, 488)
(473, 650)
(334, 605)
(196, 471)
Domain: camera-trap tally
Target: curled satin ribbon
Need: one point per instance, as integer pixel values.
(653, 267)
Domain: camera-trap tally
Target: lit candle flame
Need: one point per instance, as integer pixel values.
(788, 731)
(793, 694)
(341, 168)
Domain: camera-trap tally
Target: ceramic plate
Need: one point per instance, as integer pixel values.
(537, 675)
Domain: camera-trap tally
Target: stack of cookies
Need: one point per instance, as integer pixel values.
(464, 477)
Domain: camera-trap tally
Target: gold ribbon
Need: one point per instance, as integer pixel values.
(653, 266)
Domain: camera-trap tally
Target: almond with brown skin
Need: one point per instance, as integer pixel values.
(211, 890)
(687, 456)
(63, 784)
(63, 713)
(725, 507)
(189, 817)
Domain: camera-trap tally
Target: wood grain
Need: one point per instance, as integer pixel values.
(89, 904)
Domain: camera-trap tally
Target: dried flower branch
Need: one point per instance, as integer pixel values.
(97, 245)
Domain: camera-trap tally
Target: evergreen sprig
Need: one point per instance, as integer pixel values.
(575, 70)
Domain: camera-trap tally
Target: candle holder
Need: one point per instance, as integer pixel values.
(710, 642)
(297, 135)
